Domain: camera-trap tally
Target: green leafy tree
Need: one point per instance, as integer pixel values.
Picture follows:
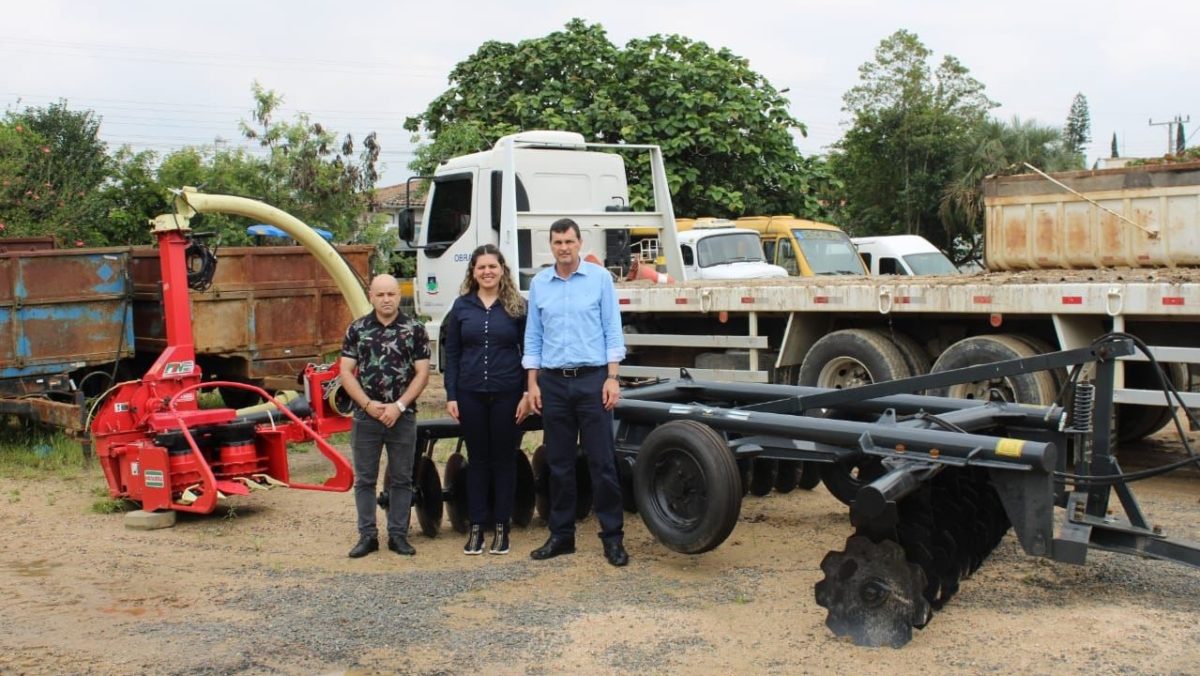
(909, 125)
(53, 163)
(724, 130)
(1180, 139)
(1078, 131)
(1114, 146)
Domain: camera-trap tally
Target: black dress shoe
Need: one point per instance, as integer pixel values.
(366, 545)
(616, 554)
(399, 544)
(553, 547)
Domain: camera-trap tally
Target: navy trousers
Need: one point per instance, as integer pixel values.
(489, 426)
(573, 411)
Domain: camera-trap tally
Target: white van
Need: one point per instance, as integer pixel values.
(716, 249)
(903, 255)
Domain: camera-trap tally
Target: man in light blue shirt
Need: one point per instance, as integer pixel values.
(573, 345)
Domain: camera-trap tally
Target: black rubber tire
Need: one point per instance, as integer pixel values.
(916, 357)
(809, 476)
(786, 476)
(850, 358)
(541, 482)
(1135, 423)
(844, 479)
(1044, 347)
(455, 486)
(427, 496)
(762, 477)
(1035, 388)
(583, 487)
(687, 487)
(525, 497)
(625, 465)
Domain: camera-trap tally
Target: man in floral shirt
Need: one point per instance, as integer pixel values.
(384, 368)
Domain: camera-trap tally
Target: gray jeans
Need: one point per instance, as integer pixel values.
(368, 437)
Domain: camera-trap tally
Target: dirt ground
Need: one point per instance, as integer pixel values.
(267, 587)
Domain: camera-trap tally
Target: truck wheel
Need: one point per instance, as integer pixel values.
(1035, 388)
(850, 358)
(1138, 422)
(687, 487)
(915, 356)
(1044, 347)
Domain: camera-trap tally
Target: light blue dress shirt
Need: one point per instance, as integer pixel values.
(573, 321)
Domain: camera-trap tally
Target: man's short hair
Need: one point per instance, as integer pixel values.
(563, 225)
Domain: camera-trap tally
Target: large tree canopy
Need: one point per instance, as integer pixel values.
(724, 130)
(909, 124)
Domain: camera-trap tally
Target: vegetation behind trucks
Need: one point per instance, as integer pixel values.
(846, 330)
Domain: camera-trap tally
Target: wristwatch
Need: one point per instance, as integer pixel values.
(400, 405)
(612, 377)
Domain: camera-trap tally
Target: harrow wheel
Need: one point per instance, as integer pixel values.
(873, 594)
(687, 486)
(456, 492)
(525, 497)
(427, 496)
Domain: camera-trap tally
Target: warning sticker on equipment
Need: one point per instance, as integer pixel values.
(1010, 447)
(154, 478)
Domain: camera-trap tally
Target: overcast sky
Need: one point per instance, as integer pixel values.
(163, 75)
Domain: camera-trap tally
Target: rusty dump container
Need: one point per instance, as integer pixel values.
(61, 310)
(270, 310)
(1032, 223)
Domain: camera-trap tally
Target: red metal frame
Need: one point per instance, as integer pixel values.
(135, 415)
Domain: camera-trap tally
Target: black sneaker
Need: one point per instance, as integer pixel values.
(474, 540)
(366, 545)
(500, 539)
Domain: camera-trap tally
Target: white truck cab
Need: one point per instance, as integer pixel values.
(510, 195)
(903, 255)
(716, 249)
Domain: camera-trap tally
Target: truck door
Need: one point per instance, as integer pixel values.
(447, 245)
(786, 257)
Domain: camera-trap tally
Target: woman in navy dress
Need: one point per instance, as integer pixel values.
(485, 390)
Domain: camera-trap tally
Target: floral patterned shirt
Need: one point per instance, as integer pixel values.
(386, 354)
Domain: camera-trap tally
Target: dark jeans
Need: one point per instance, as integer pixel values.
(573, 410)
(368, 437)
(489, 426)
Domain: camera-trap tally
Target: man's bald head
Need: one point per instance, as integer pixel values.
(385, 297)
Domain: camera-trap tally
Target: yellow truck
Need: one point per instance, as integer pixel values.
(805, 248)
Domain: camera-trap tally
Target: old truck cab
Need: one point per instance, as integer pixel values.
(716, 249)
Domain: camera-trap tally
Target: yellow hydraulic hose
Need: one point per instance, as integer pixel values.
(189, 202)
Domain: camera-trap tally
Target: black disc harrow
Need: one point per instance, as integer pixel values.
(940, 535)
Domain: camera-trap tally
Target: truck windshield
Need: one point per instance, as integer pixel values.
(931, 263)
(735, 247)
(829, 252)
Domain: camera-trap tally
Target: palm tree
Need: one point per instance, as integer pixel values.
(994, 147)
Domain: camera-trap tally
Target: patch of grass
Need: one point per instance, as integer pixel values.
(112, 506)
(28, 451)
(210, 399)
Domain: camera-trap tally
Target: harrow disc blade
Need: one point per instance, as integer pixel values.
(786, 476)
(541, 482)
(456, 492)
(762, 478)
(525, 498)
(427, 496)
(872, 593)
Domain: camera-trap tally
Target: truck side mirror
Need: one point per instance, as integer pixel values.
(404, 225)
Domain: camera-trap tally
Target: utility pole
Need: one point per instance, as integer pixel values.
(1171, 124)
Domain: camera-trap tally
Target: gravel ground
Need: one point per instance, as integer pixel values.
(267, 588)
